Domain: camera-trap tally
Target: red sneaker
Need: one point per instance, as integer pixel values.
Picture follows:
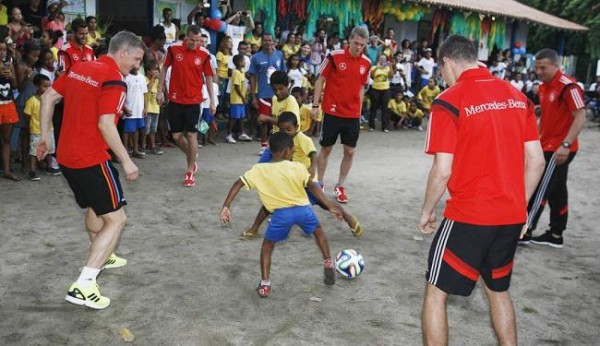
(340, 194)
(263, 290)
(189, 180)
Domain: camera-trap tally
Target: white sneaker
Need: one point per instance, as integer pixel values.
(230, 139)
(244, 138)
(421, 128)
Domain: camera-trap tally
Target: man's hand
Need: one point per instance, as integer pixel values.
(427, 223)
(42, 149)
(213, 108)
(314, 113)
(131, 170)
(225, 215)
(160, 97)
(561, 155)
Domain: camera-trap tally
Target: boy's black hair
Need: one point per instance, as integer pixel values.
(287, 117)
(280, 141)
(279, 78)
(237, 59)
(298, 90)
(78, 23)
(39, 78)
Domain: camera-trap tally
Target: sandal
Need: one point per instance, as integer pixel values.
(11, 177)
(357, 231)
(249, 235)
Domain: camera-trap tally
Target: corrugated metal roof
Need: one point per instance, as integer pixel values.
(508, 8)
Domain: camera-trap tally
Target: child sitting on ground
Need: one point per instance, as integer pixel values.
(281, 187)
(304, 151)
(415, 116)
(397, 109)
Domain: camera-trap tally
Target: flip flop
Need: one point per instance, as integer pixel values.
(247, 235)
(11, 177)
(357, 231)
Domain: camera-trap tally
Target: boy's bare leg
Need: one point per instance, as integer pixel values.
(321, 240)
(265, 259)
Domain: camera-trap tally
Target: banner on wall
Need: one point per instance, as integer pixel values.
(482, 50)
(160, 5)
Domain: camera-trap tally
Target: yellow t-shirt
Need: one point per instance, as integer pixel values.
(250, 39)
(237, 78)
(3, 15)
(305, 118)
(303, 147)
(33, 107)
(305, 83)
(279, 184)
(288, 104)
(381, 78)
(152, 105)
(222, 63)
(427, 96)
(398, 108)
(289, 49)
(417, 114)
(89, 39)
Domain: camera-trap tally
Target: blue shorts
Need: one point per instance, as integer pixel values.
(283, 219)
(266, 156)
(132, 125)
(237, 111)
(209, 118)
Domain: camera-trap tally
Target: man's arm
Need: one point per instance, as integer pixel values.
(160, 95)
(249, 23)
(534, 166)
(106, 125)
(211, 94)
(49, 98)
(192, 14)
(436, 186)
(314, 112)
(235, 189)
(562, 153)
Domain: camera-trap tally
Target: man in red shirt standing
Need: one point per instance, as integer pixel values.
(72, 53)
(483, 135)
(346, 72)
(563, 117)
(190, 66)
(94, 93)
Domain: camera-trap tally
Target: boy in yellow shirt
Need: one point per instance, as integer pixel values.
(281, 188)
(237, 101)
(304, 151)
(305, 117)
(415, 116)
(428, 94)
(397, 109)
(281, 102)
(152, 110)
(32, 110)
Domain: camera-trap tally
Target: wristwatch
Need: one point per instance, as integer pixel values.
(566, 144)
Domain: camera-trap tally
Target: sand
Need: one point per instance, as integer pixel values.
(191, 281)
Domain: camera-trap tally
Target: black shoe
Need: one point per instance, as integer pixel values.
(33, 176)
(526, 240)
(548, 239)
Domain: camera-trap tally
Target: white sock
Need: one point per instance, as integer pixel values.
(265, 283)
(88, 276)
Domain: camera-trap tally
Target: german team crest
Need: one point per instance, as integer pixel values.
(75, 57)
(552, 97)
(363, 69)
(197, 61)
(342, 66)
(179, 57)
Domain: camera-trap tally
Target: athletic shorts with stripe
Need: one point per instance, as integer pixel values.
(461, 252)
(333, 126)
(96, 187)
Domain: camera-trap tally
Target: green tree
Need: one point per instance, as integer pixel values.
(585, 45)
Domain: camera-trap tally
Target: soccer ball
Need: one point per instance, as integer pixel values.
(349, 263)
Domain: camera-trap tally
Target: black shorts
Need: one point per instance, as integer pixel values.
(96, 187)
(461, 252)
(183, 117)
(334, 126)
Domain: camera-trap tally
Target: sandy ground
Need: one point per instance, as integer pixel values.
(191, 281)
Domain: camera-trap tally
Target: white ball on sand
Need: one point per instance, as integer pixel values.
(349, 263)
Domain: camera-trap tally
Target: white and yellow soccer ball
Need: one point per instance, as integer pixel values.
(349, 263)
